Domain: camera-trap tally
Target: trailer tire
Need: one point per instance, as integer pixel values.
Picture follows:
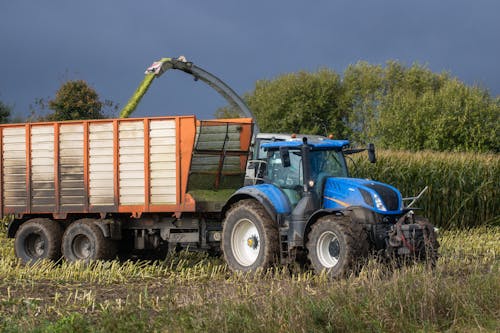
(337, 246)
(38, 239)
(83, 240)
(249, 237)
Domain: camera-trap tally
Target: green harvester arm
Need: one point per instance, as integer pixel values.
(161, 66)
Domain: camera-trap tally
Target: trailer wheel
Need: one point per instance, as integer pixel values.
(84, 240)
(337, 246)
(249, 237)
(38, 239)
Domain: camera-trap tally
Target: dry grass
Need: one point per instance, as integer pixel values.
(193, 292)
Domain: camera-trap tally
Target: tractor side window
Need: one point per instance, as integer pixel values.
(285, 177)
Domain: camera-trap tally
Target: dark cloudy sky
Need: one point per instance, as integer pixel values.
(110, 43)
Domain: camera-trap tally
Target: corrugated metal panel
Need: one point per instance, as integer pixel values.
(131, 162)
(42, 168)
(155, 182)
(71, 183)
(217, 157)
(101, 192)
(214, 136)
(162, 162)
(211, 163)
(14, 167)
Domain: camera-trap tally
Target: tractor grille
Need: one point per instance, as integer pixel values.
(389, 197)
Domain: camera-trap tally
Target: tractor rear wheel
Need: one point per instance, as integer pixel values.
(38, 239)
(337, 246)
(84, 240)
(249, 237)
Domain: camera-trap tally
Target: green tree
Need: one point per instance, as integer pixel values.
(5, 111)
(363, 88)
(414, 108)
(227, 112)
(395, 106)
(77, 100)
(420, 109)
(300, 102)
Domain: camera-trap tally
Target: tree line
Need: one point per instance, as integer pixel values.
(395, 106)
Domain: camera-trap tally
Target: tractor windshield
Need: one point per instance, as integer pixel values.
(330, 163)
(323, 163)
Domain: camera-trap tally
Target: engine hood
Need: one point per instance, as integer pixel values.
(341, 193)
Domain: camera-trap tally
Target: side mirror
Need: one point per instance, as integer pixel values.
(371, 153)
(285, 157)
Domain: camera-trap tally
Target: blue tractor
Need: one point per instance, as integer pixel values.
(304, 207)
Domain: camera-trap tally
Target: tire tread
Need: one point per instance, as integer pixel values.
(105, 248)
(271, 233)
(355, 239)
(52, 231)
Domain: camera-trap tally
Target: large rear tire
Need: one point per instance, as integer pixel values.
(84, 241)
(336, 246)
(38, 239)
(249, 237)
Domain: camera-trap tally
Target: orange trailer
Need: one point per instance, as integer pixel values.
(133, 175)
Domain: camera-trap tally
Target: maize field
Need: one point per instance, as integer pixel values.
(464, 188)
(193, 292)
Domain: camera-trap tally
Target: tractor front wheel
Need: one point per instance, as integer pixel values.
(336, 246)
(249, 237)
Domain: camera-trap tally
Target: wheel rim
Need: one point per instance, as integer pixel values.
(245, 242)
(35, 245)
(82, 247)
(328, 249)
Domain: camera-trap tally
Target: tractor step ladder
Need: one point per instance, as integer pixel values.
(284, 253)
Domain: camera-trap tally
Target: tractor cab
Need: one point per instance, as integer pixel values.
(302, 166)
(313, 175)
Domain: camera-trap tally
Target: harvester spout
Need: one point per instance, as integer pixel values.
(164, 64)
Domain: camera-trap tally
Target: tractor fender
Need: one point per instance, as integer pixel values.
(269, 196)
(320, 213)
(358, 214)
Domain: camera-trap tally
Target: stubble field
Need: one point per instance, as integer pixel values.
(194, 292)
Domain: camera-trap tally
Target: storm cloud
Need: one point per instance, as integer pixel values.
(109, 44)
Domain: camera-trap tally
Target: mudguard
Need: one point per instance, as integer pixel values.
(359, 214)
(12, 227)
(272, 199)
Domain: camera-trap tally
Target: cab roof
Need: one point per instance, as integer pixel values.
(323, 144)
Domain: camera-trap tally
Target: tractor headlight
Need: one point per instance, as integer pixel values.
(378, 203)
